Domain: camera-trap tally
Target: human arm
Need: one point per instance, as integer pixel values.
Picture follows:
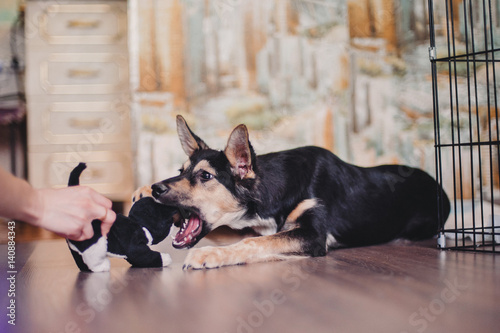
(67, 211)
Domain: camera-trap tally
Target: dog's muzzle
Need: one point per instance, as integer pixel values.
(158, 189)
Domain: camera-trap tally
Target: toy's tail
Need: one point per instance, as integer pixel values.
(74, 176)
(98, 260)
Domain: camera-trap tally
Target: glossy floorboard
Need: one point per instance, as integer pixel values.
(399, 287)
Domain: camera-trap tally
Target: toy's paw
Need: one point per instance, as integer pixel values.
(165, 259)
(207, 257)
(142, 192)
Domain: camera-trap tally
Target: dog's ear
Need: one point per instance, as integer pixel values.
(190, 142)
(239, 152)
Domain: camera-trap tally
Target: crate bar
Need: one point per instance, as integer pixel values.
(490, 138)
(449, 18)
(465, 55)
(495, 101)
(468, 144)
(435, 106)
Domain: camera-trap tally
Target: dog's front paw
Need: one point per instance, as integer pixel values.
(206, 257)
(141, 192)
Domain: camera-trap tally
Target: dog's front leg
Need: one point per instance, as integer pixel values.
(279, 246)
(141, 192)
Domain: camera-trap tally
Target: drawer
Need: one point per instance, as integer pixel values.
(80, 73)
(76, 74)
(77, 24)
(100, 122)
(108, 172)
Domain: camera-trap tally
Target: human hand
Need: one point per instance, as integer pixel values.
(69, 211)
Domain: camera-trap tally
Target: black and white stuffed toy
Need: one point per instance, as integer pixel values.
(129, 237)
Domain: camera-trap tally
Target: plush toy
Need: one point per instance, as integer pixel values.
(129, 237)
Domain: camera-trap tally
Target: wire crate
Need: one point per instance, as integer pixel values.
(464, 52)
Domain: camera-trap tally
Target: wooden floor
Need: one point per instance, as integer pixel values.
(399, 287)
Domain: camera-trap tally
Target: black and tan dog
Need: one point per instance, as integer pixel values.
(302, 201)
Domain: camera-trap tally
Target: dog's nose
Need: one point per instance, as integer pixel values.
(159, 189)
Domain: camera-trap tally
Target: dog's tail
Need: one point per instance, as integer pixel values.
(74, 176)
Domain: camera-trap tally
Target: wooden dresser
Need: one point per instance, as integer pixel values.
(77, 89)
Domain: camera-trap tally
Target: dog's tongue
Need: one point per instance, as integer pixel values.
(188, 232)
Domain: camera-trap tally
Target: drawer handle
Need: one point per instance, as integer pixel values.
(83, 73)
(95, 173)
(81, 24)
(85, 123)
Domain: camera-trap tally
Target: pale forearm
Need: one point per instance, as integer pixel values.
(18, 200)
(67, 211)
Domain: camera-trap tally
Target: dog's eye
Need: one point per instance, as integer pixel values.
(206, 175)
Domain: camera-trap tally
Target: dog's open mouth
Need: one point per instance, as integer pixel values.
(189, 231)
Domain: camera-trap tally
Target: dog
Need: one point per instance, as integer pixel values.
(302, 202)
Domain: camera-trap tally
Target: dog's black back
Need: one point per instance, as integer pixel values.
(363, 205)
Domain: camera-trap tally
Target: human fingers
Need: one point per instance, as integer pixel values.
(100, 199)
(85, 232)
(101, 210)
(109, 217)
(97, 206)
(107, 222)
